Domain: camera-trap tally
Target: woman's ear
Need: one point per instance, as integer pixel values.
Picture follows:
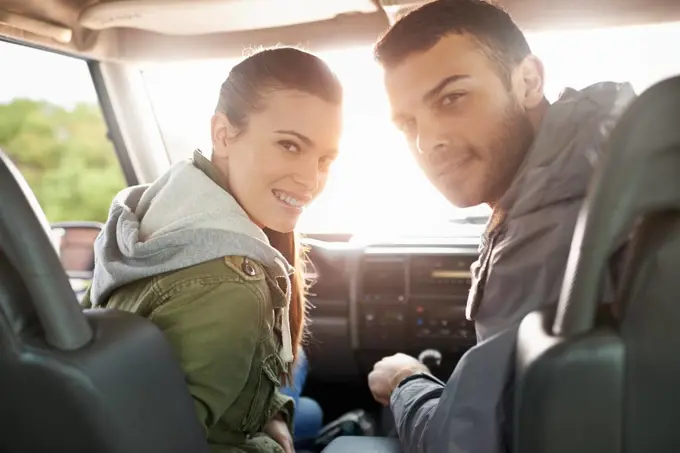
(222, 132)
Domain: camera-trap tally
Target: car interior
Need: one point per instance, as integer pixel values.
(588, 378)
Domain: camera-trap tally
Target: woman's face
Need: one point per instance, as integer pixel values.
(279, 163)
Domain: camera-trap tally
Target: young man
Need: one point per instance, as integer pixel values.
(467, 93)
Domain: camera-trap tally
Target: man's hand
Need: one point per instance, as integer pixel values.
(278, 430)
(389, 372)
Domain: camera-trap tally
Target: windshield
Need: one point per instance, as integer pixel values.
(375, 184)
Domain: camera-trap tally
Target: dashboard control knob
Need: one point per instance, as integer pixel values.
(431, 358)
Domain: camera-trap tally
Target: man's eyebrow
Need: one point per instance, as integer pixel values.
(303, 138)
(434, 92)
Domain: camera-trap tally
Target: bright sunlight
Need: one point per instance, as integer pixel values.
(375, 183)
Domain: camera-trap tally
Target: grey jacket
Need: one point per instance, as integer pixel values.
(522, 261)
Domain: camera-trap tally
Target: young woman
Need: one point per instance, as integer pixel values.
(208, 253)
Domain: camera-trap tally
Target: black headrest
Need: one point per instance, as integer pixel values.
(26, 244)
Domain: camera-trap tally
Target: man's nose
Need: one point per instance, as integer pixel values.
(431, 139)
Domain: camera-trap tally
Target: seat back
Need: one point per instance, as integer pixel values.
(592, 383)
(71, 381)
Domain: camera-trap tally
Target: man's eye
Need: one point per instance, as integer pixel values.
(289, 146)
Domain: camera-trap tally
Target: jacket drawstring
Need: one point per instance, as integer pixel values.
(286, 339)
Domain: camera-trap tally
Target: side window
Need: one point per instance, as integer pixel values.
(53, 130)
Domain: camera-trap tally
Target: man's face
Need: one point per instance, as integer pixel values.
(468, 130)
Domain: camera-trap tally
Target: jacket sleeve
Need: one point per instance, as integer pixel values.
(468, 414)
(214, 330)
(285, 405)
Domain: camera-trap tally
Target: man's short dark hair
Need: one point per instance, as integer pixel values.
(422, 28)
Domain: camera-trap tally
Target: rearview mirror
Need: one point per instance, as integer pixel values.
(74, 242)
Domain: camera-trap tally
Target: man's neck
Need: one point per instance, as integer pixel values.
(537, 114)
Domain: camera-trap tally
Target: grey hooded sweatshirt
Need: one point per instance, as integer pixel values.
(184, 218)
(521, 266)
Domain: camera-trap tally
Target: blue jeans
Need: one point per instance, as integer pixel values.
(308, 413)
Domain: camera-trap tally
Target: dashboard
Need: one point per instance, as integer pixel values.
(374, 300)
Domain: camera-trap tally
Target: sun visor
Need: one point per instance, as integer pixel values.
(198, 17)
(22, 23)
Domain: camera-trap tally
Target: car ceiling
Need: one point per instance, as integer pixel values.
(145, 30)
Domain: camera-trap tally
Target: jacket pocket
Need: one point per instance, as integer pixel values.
(269, 381)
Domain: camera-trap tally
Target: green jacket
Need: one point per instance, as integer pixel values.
(222, 317)
(184, 254)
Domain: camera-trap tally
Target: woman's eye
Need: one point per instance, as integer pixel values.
(289, 146)
(450, 99)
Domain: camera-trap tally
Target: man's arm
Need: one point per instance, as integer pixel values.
(413, 403)
(468, 414)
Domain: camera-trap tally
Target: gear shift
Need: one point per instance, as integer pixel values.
(431, 358)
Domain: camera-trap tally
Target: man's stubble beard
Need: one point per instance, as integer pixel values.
(508, 151)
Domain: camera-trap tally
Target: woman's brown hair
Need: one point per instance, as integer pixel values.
(279, 68)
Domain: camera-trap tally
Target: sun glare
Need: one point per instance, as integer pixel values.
(375, 183)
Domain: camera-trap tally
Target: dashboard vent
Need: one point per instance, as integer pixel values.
(441, 276)
(383, 280)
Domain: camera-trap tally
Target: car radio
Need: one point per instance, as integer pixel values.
(414, 302)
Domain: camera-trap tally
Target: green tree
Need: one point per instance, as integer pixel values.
(64, 155)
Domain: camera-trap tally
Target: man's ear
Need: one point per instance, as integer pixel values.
(222, 131)
(529, 82)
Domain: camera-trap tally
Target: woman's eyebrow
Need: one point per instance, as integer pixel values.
(303, 138)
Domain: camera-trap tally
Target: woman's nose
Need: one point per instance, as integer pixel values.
(308, 175)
